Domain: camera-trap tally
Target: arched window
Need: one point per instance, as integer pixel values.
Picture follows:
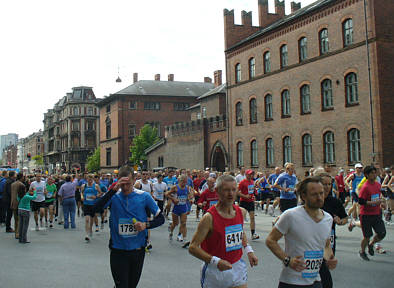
(267, 62)
(253, 153)
(307, 149)
(238, 73)
(283, 56)
(323, 41)
(253, 111)
(354, 148)
(303, 48)
(351, 89)
(326, 94)
(238, 114)
(268, 107)
(108, 128)
(75, 111)
(286, 149)
(329, 147)
(252, 68)
(269, 147)
(286, 111)
(240, 154)
(305, 99)
(347, 31)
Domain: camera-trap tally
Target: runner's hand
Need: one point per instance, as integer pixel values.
(252, 259)
(297, 263)
(332, 262)
(140, 226)
(224, 265)
(337, 220)
(175, 201)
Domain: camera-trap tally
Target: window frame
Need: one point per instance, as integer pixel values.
(287, 150)
(252, 68)
(133, 105)
(349, 87)
(240, 160)
(303, 97)
(152, 106)
(357, 146)
(303, 49)
(324, 95)
(284, 55)
(305, 147)
(286, 104)
(324, 43)
(238, 73)
(254, 160)
(347, 41)
(253, 111)
(269, 152)
(238, 114)
(108, 160)
(267, 62)
(268, 106)
(108, 128)
(325, 150)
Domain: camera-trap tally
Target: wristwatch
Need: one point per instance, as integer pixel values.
(286, 261)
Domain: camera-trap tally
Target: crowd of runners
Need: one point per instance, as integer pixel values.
(305, 210)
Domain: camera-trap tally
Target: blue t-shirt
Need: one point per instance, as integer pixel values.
(88, 193)
(271, 179)
(170, 181)
(104, 182)
(356, 180)
(103, 188)
(287, 181)
(263, 186)
(81, 182)
(125, 210)
(190, 182)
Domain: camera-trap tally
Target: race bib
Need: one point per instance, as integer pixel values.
(211, 203)
(49, 195)
(332, 238)
(234, 235)
(126, 228)
(90, 197)
(182, 200)
(374, 198)
(250, 189)
(313, 261)
(291, 187)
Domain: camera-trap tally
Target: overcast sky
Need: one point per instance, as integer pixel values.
(48, 47)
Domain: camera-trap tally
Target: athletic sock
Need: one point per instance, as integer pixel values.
(253, 231)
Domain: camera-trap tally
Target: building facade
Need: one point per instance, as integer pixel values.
(9, 156)
(71, 131)
(298, 85)
(154, 102)
(27, 149)
(7, 140)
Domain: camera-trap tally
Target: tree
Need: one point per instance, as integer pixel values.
(94, 161)
(146, 138)
(38, 160)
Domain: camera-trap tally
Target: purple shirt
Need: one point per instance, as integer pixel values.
(67, 190)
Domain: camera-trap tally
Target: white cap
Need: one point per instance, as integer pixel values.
(358, 165)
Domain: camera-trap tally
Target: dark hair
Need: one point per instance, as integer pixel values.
(302, 187)
(21, 191)
(159, 175)
(19, 176)
(11, 174)
(68, 178)
(126, 171)
(368, 170)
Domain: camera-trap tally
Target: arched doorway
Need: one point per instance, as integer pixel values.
(218, 157)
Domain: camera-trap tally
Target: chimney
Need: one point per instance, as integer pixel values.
(170, 77)
(263, 12)
(207, 80)
(295, 6)
(135, 77)
(280, 8)
(157, 77)
(246, 18)
(218, 77)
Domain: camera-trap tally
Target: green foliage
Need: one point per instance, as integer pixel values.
(38, 160)
(146, 138)
(94, 161)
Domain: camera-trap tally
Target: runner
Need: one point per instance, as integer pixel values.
(170, 180)
(38, 204)
(246, 192)
(196, 182)
(344, 195)
(103, 190)
(24, 212)
(307, 231)
(388, 186)
(90, 192)
(264, 190)
(371, 203)
(219, 240)
(352, 181)
(78, 194)
(128, 224)
(50, 196)
(286, 183)
(208, 197)
(271, 180)
(159, 188)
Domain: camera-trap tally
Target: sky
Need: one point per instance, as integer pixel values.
(48, 47)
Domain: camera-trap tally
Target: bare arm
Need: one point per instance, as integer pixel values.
(203, 229)
(272, 244)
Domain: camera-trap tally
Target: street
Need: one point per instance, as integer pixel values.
(61, 258)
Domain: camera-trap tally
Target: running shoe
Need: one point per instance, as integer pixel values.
(37, 228)
(255, 236)
(363, 256)
(197, 219)
(97, 229)
(87, 239)
(149, 246)
(370, 250)
(380, 250)
(46, 224)
(51, 225)
(351, 226)
(186, 245)
(170, 236)
(179, 238)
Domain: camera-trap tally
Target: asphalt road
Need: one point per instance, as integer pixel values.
(61, 258)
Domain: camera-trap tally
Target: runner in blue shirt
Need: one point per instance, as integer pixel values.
(286, 183)
(90, 192)
(276, 192)
(128, 224)
(170, 180)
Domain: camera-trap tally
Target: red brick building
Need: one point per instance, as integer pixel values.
(298, 85)
(155, 102)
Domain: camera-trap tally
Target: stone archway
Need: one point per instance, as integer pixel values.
(218, 157)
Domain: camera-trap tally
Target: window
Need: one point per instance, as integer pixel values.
(132, 130)
(160, 161)
(252, 68)
(269, 149)
(238, 114)
(89, 125)
(286, 149)
(155, 125)
(75, 125)
(151, 106)
(90, 111)
(240, 154)
(326, 92)
(133, 105)
(283, 56)
(253, 111)
(181, 106)
(238, 73)
(303, 49)
(108, 156)
(351, 89)
(305, 99)
(108, 128)
(204, 112)
(323, 40)
(108, 108)
(268, 107)
(307, 149)
(198, 115)
(286, 103)
(347, 30)
(253, 153)
(329, 147)
(267, 62)
(75, 111)
(354, 145)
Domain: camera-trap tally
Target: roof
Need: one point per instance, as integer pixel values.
(198, 105)
(217, 90)
(297, 14)
(159, 143)
(167, 88)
